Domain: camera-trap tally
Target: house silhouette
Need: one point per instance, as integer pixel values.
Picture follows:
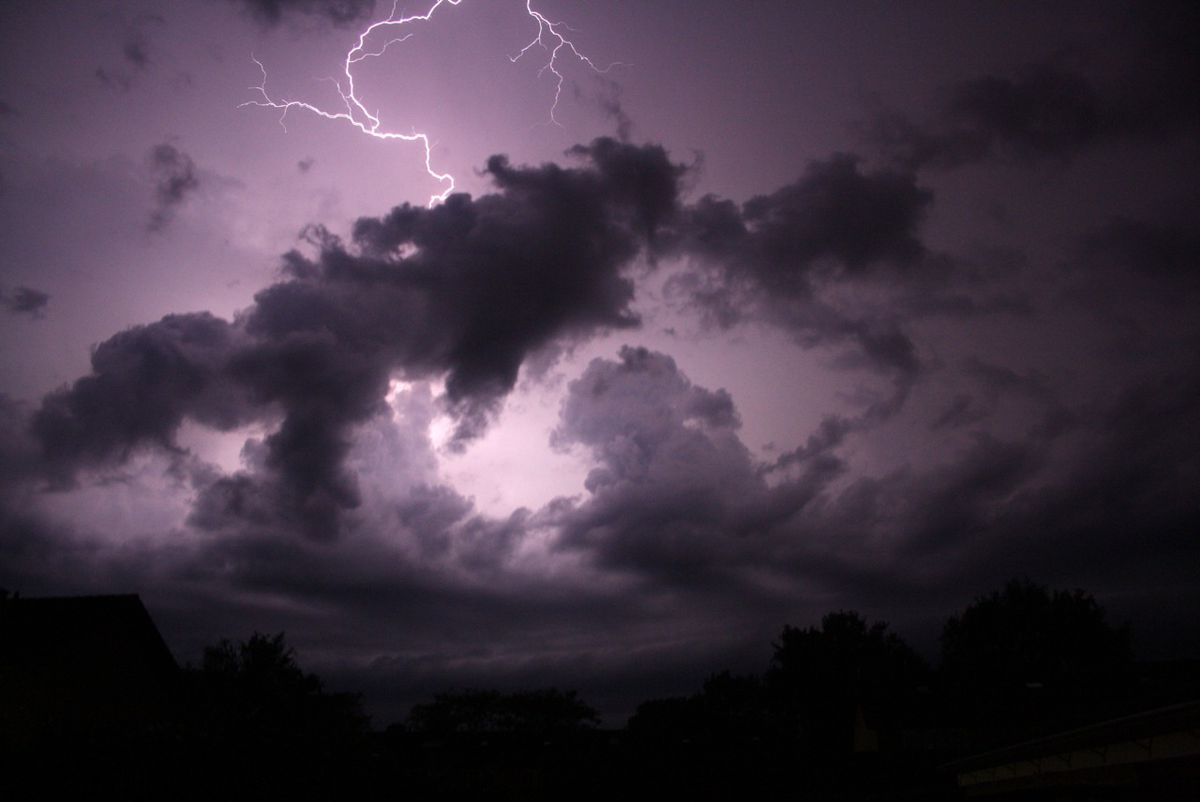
(1153, 754)
(85, 665)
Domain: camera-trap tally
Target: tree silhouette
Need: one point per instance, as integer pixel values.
(1028, 653)
(549, 711)
(843, 675)
(543, 712)
(457, 712)
(729, 708)
(674, 719)
(255, 690)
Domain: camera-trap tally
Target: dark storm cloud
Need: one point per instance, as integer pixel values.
(1044, 112)
(679, 518)
(997, 379)
(677, 498)
(18, 449)
(1136, 83)
(676, 495)
(1080, 497)
(958, 499)
(144, 382)
(113, 80)
(1120, 518)
(338, 12)
(410, 628)
(817, 450)
(429, 513)
(176, 180)
(962, 411)
(991, 384)
(37, 553)
(607, 98)
(508, 273)
(411, 622)
(677, 506)
(1098, 501)
(683, 554)
(834, 221)
(1141, 470)
(1154, 249)
(467, 290)
(677, 501)
(24, 301)
(782, 257)
(1142, 276)
(135, 53)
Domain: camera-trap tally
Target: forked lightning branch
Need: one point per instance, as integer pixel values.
(550, 38)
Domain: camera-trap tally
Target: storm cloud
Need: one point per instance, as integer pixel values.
(676, 493)
(271, 13)
(24, 301)
(175, 181)
(135, 52)
(1135, 82)
(468, 290)
(617, 416)
(787, 258)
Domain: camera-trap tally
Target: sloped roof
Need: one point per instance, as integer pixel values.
(1095, 753)
(81, 632)
(80, 661)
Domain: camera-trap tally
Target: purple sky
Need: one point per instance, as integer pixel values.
(800, 306)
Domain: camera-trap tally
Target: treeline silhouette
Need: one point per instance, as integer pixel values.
(848, 710)
(843, 710)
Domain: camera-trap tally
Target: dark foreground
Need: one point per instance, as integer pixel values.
(1152, 755)
(1036, 697)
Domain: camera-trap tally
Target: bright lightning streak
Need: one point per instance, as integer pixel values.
(548, 29)
(356, 113)
(549, 37)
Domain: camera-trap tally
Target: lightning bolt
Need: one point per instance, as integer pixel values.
(547, 29)
(549, 37)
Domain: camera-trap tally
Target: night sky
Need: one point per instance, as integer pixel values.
(800, 306)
